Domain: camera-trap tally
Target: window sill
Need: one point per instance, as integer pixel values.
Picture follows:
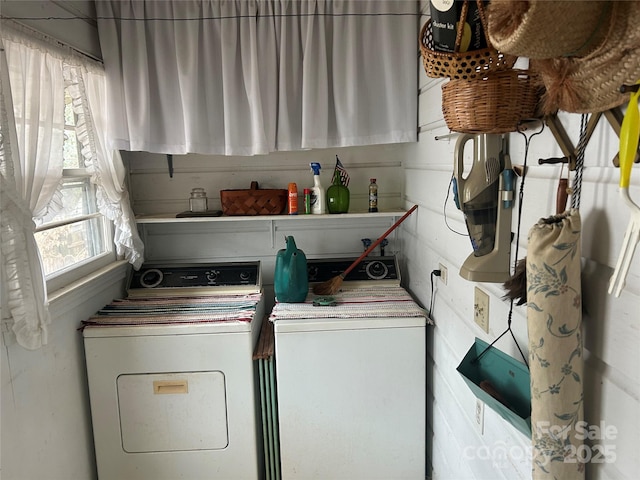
(104, 275)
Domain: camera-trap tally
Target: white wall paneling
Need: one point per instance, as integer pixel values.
(155, 192)
(612, 385)
(46, 426)
(225, 239)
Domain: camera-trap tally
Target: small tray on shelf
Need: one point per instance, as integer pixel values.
(207, 213)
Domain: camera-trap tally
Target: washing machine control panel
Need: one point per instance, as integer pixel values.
(369, 269)
(195, 276)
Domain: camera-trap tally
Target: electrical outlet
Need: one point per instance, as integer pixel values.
(443, 273)
(479, 416)
(481, 309)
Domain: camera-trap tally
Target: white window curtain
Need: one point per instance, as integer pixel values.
(250, 77)
(32, 128)
(87, 88)
(32, 106)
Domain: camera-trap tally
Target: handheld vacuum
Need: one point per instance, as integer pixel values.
(485, 197)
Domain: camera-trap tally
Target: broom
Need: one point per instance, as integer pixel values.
(331, 286)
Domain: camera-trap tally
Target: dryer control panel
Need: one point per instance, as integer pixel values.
(201, 277)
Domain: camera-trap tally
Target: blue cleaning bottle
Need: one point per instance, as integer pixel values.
(318, 205)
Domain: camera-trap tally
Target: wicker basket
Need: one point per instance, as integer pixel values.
(253, 201)
(461, 65)
(495, 103)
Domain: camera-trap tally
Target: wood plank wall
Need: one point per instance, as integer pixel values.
(154, 192)
(456, 448)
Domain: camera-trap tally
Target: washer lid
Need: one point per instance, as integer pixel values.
(354, 307)
(302, 325)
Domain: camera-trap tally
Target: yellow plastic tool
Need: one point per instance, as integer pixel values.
(629, 134)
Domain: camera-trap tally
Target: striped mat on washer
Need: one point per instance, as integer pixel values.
(354, 302)
(175, 310)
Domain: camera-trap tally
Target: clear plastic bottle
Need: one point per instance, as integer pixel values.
(318, 200)
(373, 195)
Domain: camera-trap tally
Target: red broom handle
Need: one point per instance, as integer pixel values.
(377, 242)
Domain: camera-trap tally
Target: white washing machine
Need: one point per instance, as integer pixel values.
(171, 377)
(351, 378)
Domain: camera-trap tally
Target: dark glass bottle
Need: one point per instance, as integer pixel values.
(373, 195)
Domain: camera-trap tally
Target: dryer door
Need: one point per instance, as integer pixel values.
(172, 411)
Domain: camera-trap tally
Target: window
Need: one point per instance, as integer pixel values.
(76, 240)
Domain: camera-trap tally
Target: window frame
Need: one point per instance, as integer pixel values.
(74, 272)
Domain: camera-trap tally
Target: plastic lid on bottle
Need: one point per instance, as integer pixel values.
(307, 190)
(315, 166)
(372, 180)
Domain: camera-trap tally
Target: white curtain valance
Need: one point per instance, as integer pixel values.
(251, 77)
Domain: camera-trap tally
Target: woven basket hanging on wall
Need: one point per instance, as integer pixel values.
(485, 94)
(495, 103)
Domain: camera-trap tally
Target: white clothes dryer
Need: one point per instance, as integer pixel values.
(171, 378)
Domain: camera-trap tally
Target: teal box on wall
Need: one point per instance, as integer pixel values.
(506, 376)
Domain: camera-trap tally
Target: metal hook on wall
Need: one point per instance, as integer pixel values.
(170, 164)
(629, 88)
